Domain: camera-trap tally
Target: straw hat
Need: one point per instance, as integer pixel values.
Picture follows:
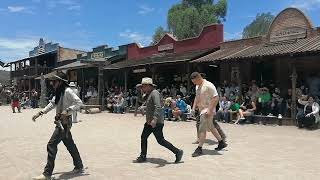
(147, 81)
(72, 84)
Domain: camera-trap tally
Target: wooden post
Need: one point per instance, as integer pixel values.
(83, 88)
(125, 80)
(153, 70)
(294, 93)
(188, 78)
(36, 72)
(99, 85)
(102, 87)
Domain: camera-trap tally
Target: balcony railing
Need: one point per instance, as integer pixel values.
(31, 71)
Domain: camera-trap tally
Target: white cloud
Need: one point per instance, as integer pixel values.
(136, 37)
(306, 5)
(71, 5)
(16, 48)
(19, 9)
(16, 8)
(145, 9)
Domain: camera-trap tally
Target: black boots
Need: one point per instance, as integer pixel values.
(221, 145)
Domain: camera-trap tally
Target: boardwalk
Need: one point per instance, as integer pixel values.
(108, 143)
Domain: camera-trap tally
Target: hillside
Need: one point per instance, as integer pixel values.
(4, 76)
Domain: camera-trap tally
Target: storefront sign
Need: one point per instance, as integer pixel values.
(97, 55)
(165, 47)
(139, 70)
(288, 34)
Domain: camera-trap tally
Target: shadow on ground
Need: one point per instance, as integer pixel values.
(67, 175)
(158, 161)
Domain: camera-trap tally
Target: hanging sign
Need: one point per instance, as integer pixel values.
(97, 55)
(139, 70)
(165, 47)
(288, 34)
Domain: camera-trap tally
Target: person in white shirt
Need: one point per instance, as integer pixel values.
(65, 101)
(206, 100)
(74, 88)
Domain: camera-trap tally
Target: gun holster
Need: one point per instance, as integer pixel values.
(63, 122)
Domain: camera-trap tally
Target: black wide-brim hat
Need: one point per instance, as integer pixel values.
(59, 76)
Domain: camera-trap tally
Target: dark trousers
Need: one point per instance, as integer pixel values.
(304, 121)
(158, 133)
(58, 136)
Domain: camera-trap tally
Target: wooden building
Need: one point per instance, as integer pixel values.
(167, 62)
(287, 55)
(42, 60)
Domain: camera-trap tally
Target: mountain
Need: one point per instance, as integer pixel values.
(4, 77)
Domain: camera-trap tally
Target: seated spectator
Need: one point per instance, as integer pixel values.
(253, 91)
(183, 90)
(166, 92)
(119, 105)
(129, 97)
(278, 105)
(232, 96)
(235, 106)
(179, 109)
(223, 112)
(310, 116)
(167, 108)
(246, 109)
(264, 100)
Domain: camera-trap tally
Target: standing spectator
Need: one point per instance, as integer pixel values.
(278, 105)
(34, 99)
(181, 107)
(288, 101)
(223, 112)
(15, 101)
(310, 114)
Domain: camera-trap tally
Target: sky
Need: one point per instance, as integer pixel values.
(85, 24)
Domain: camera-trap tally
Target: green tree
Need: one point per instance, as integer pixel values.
(158, 34)
(186, 19)
(259, 26)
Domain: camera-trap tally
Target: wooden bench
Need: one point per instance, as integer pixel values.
(267, 120)
(92, 103)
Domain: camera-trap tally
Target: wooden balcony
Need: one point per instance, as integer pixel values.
(30, 71)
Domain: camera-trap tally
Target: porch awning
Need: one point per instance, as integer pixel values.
(158, 59)
(295, 47)
(74, 65)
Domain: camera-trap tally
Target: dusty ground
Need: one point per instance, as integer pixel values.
(108, 143)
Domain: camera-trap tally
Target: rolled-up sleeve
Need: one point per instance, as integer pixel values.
(50, 106)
